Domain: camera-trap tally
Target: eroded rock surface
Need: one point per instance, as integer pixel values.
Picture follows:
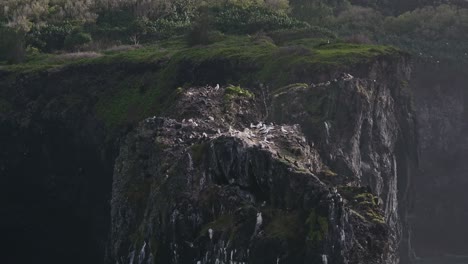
(224, 179)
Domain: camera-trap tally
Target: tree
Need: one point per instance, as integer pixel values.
(11, 45)
(21, 14)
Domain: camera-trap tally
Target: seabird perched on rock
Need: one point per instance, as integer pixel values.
(265, 129)
(210, 233)
(217, 87)
(347, 76)
(284, 130)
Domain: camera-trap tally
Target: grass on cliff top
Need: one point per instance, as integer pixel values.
(247, 49)
(138, 92)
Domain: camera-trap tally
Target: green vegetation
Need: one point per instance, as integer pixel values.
(134, 98)
(365, 205)
(76, 40)
(329, 173)
(317, 227)
(376, 216)
(244, 60)
(319, 103)
(237, 91)
(235, 49)
(430, 30)
(51, 26)
(117, 108)
(11, 46)
(236, 19)
(283, 225)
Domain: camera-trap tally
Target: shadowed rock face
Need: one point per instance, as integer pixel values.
(440, 213)
(206, 181)
(216, 182)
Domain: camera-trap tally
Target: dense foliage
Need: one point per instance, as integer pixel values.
(438, 32)
(428, 28)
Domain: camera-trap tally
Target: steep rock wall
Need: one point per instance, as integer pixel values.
(440, 197)
(366, 132)
(359, 138)
(61, 127)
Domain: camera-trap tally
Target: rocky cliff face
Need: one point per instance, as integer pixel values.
(440, 199)
(306, 173)
(55, 168)
(316, 171)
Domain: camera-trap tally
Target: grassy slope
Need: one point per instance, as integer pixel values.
(233, 59)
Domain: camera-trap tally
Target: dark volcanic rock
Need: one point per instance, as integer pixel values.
(215, 184)
(365, 129)
(315, 173)
(440, 209)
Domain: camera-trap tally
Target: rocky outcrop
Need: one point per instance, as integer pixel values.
(366, 131)
(307, 173)
(266, 174)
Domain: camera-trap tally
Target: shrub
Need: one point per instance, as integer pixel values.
(431, 23)
(358, 20)
(281, 36)
(358, 39)
(167, 27)
(240, 20)
(49, 37)
(314, 12)
(11, 45)
(199, 33)
(76, 40)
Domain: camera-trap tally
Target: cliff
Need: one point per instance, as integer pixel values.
(439, 215)
(310, 157)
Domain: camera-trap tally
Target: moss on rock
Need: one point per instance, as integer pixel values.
(236, 91)
(317, 227)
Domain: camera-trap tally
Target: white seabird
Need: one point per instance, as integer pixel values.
(284, 130)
